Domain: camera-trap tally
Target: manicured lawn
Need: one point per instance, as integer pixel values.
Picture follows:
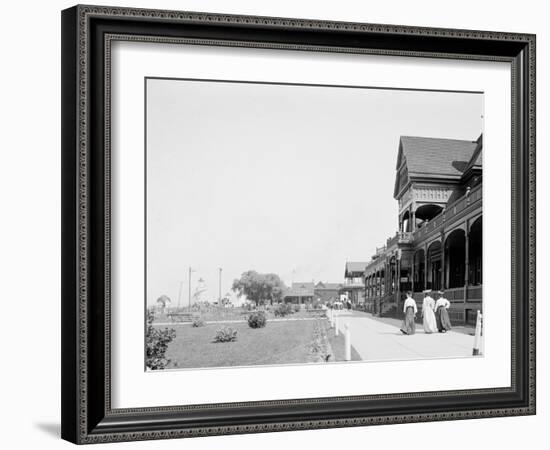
(286, 342)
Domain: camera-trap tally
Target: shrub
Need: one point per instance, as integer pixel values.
(297, 308)
(257, 319)
(319, 347)
(156, 344)
(225, 334)
(283, 309)
(197, 322)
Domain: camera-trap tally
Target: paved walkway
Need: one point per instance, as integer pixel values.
(376, 340)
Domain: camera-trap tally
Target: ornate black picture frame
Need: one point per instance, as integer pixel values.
(87, 34)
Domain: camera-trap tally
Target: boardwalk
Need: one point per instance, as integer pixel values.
(377, 340)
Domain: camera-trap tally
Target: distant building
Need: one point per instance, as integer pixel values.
(300, 293)
(438, 245)
(354, 286)
(327, 292)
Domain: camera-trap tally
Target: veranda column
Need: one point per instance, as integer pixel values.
(398, 282)
(371, 285)
(466, 262)
(425, 267)
(443, 263)
(413, 273)
(386, 277)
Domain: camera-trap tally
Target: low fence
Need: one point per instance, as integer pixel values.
(463, 311)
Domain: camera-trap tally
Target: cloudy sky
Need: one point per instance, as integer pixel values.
(294, 180)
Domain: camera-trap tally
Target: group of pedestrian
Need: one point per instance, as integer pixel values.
(435, 317)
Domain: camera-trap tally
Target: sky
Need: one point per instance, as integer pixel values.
(292, 180)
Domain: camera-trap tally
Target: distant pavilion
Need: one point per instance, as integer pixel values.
(307, 292)
(300, 293)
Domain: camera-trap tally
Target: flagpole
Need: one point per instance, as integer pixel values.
(179, 294)
(220, 287)
(190, 270)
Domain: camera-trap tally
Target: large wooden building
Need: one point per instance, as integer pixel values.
(438, 245)
(354, 282)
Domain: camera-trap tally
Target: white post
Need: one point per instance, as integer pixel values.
(481, 339)
(347, 340)
(477, 335)
(336, 326)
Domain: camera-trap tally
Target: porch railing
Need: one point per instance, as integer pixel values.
(449, 212)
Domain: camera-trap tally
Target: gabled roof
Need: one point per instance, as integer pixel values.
(354, 266)
(437, 158)
(475, 162)
(300, 290)
(331, 286)
(351, 287)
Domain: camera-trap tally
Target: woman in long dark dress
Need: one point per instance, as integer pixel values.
(410, 309)
(441, 314)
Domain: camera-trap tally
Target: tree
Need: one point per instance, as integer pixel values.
(259, 287)
(164, 300)
(276, 288)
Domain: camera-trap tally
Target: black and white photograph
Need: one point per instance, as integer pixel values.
(311, 224)
(287, 224)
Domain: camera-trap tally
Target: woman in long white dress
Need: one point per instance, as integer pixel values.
(428, 316)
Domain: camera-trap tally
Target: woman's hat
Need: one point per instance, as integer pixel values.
(441, 292)
(426, 291)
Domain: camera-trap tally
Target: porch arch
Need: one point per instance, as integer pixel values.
(433, 270)
(419, 275)
(427, 212)
(475, 250)
(455, 259)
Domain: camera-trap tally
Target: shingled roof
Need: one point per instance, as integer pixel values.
(300, 289)
(355, 266)
(330, 286)
(437, 158)
(476, 159)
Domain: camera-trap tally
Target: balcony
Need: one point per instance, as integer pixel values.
(401, 237)
(452, 210)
